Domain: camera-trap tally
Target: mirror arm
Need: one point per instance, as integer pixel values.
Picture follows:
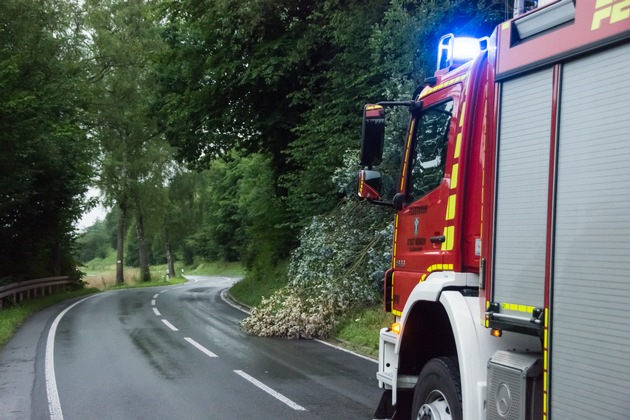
(381, 203)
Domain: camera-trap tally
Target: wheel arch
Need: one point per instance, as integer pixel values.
(426, 322)
(443, 322)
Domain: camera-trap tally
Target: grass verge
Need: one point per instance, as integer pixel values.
(12, 317)
(253, 287)
(358, 330)
(217, 268)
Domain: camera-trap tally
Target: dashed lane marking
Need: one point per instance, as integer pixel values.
(200, 347)
(270, 391)
(171, 326)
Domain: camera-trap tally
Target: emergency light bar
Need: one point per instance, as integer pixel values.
(454, 51)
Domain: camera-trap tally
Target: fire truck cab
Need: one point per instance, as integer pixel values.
(511, 252)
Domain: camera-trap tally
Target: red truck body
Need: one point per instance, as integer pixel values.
(511, 248)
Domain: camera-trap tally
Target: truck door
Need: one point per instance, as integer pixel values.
(420, 231)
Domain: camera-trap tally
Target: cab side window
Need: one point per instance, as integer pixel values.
(431, 140)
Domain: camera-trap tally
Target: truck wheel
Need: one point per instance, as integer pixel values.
(438, 394)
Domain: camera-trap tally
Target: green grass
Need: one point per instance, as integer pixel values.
(12, 317)
(253, 287)
(359, 330)
(217, 268)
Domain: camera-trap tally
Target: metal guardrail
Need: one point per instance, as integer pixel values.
(28, 289)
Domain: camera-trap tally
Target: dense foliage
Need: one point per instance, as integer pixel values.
(45, 159)
(225, 130)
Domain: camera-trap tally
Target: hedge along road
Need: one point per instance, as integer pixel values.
(173, 352)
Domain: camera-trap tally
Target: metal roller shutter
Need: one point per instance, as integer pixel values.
(590, 328)
(522, 183)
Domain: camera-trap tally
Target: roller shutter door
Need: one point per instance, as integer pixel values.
(590, 318)
(522, 192)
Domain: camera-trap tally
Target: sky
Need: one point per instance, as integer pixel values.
(97, 213)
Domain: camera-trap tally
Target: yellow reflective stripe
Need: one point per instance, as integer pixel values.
(403, 176)
(450, 208)
(449, 233)
(454, 173)
(458, 142)
(443, 85)
(517, 307)
(436, 267)
(397, 313)
(461, 117)
(440, 267)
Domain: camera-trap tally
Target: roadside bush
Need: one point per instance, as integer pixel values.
(337, 267)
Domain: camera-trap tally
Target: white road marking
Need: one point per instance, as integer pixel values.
(153, 302)
(168, 324)
(200, 347)
(155, 310)
(54, 405)
(155, 295)
(346, 350)
(270, 391)
(162, 292)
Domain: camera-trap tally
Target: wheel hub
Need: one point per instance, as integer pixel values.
(435, 408)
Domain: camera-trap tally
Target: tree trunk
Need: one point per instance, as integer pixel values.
(170, 263)
(120, 241)
(143, 255)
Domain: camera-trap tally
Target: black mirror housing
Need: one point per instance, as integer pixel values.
(372, 135)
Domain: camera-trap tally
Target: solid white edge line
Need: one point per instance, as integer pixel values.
(54, 405)
(168, 324)
(270, 391)
(200, 347)
(155, 311)
(226, 300)
(346, 350)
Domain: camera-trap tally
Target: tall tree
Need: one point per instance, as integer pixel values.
(45, 159)
(123, 38)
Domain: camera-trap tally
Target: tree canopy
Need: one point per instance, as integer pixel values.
(217, 129)
(45, 164)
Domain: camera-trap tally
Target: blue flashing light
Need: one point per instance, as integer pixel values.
(454, 51)
(465, 49)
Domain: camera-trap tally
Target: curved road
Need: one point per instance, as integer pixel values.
(173, 352)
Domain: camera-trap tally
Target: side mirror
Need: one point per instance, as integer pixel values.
(372, 135)
(369, 184)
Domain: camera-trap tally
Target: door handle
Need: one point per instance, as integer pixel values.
(438, 239)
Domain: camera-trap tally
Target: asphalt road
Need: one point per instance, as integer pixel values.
(173, 353)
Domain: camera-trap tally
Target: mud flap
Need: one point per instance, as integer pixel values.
(402, 410)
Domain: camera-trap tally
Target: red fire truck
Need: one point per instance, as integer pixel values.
(511, 252)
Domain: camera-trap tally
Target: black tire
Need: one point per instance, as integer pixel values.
(438, 390)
